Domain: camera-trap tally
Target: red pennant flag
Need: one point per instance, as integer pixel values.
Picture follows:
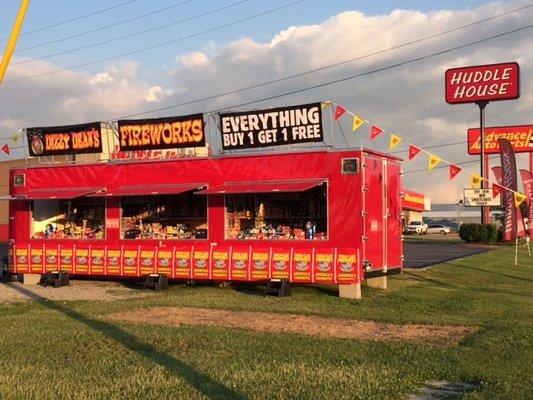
(376, 130)
(496, 190)
(454, 170)
(413, 151)
(5, 148)
(339, 110)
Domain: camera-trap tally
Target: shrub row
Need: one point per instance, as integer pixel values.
(480, 233)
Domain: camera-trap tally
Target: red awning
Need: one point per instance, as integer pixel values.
(60, 193)
(264, 187)
(143, 190)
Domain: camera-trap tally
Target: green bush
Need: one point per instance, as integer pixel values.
(479, 233)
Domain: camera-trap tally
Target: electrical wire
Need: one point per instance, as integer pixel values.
(323, 84)
(161, 44)
(130, 35)
(101, 28)
(54, 25)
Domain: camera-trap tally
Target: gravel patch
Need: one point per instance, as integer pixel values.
(14, 292)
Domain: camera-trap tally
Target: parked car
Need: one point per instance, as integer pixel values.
(418, 227)
(442, 229)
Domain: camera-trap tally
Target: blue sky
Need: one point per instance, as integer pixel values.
(44, 13)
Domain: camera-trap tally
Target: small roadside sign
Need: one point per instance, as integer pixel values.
(480, 197)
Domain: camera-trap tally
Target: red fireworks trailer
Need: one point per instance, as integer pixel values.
(323, 217)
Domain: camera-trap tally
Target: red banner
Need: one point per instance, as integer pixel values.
(520, 137)
(281, 263)
(346, 266)
(260, 265)
(324, 266)
(36, 259)
(240, 264)
(130, 261)
(509, 180)
(183, 262)
(147, 261)
(51, 259)
(22, 259)
(164, 262)
(200, 262)
(220, 263)
(302, 266)
(113, 261)
(97, 260)
(482, 83)
(66, 258)
(498, 173)
(81, 260)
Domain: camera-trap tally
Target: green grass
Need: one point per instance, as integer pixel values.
(64, 350)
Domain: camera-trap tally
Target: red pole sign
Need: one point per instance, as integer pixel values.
(482, 83)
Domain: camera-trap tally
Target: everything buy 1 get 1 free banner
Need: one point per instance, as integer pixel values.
(252, 263)
(272, 127)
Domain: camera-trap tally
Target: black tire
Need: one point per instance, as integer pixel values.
(443, 233)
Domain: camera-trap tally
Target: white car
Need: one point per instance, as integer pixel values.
(442, 229)
(416, 227)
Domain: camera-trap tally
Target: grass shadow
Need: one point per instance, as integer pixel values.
(210, 387)
(492, 272)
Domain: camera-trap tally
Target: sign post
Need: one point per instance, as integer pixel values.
(481, 84)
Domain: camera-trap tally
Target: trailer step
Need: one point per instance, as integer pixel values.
(158, 282)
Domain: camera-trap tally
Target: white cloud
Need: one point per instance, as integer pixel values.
(407, 100)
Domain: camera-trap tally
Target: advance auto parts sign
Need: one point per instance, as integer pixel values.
(272, 127)
(162, 133)
(520, 137)
(63, 140)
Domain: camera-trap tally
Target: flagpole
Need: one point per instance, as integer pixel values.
(482, 105)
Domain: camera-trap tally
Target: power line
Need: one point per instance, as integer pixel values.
(431, 147)
(101, 28)
(135, 33)
(101, 11)
(316, 86)
(269, 11)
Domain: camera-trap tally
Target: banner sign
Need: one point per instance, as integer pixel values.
(113, 260)
(480, 197)
(272, 127)
(147, 261)
(509, 180)
(260, 265)
(164, 262)
(240, 263)
(200, 263)
(182, 263)
(22, 259)
(51, 259)
(220, 263)
(521, 229)
(62, 140)
(162, 133)
(302, 266)
(347, 266)
(520, 137)
(324, 265)
(482, 83)
(414, 201)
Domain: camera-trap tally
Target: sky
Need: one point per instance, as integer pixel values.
(101, 60)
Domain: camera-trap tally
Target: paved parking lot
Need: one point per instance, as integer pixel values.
(421, 255)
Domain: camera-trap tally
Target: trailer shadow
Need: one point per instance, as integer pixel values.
(492, 272)
(200, 381)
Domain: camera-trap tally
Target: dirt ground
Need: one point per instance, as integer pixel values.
(78, 290)
(437, 336)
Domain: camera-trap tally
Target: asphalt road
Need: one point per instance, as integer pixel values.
(421, 255)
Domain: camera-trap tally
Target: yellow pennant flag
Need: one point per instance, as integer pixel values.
(357, 122)
(433, 161)
(15, 138)
(10, 48)
(325, 104)
(518, 199)
(476, 181)
(394, 141)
